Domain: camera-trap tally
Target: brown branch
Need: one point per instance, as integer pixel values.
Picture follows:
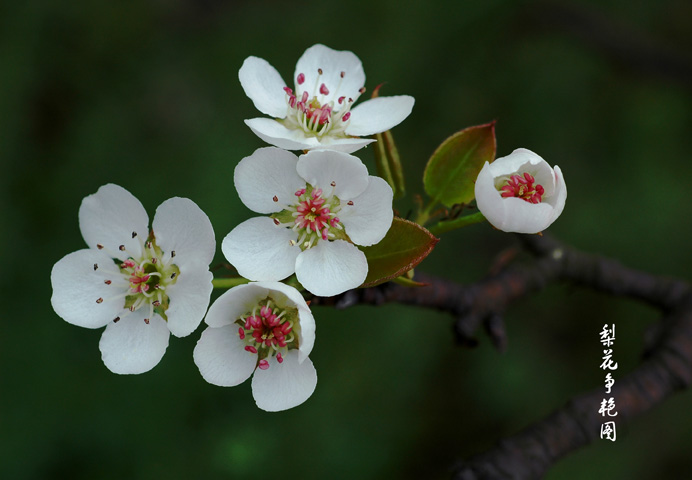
(666, 369)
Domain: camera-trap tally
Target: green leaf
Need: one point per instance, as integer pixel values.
(451, 172)
(405, 246)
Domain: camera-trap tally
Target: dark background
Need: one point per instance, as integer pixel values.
(145, 94)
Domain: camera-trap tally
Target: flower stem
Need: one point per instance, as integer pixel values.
(228, 282)
(449, 225)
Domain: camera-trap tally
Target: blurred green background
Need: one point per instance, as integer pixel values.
(145, 94)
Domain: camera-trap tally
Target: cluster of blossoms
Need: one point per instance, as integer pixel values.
(318, 208)
(143, 284)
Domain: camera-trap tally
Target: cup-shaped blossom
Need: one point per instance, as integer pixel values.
(141, 284)
(318, 113)
(520, 192)
(321, 206)
(265, 328)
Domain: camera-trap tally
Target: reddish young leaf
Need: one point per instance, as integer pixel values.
(405, 246)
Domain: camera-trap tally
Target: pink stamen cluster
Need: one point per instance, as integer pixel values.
(266, 330)
(313, 214)
(316, 116)
(138, 277)
(523, 187)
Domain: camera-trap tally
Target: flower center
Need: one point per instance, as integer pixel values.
(143, 280)
(315, 110)
(313, 216)
(269, 331)
(524, 187)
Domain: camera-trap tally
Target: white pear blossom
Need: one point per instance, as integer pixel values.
(321, 206)
(266, 328)
(140, 284)
(318, 113)
(520, 192)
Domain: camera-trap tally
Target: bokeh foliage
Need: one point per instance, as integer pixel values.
(145, 94)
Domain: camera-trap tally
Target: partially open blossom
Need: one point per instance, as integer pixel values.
(321, 204)
(520, 192)
(318, 112)
(141, 284)
(266, 328)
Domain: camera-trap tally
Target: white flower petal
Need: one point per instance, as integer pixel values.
(237, 301)
(284, 385)
(261, 250)
(287, 296)
(265, 87)
(131, 346)
(524, 217)
(367, 221)
(77, 286)
(267, 174)
(221, 357)
(345, 145)
(330, 268)
(275, 133)
(109, 217)
(512, 163)
(379, 114)
(332, 63)
(321, 168)
(560, 195)
(181, 226)
(189, 299)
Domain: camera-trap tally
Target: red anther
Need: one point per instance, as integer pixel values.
(346, 116)
(324, 234)
(304, 97)
(99, 300)
(276, 221)
(121, 248)
(275, 198)
(116, 319)
(286, 328)
(263, 365)
(288, 91)
(341, 99)
(250, 349)
(99, 246)
(349, 203)
(319, 70)
(362, 90)
(279, 358)
(300, 79)
(146, 320)
(524, 187)
(324, 90)
(241, 333)
(107, 282)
